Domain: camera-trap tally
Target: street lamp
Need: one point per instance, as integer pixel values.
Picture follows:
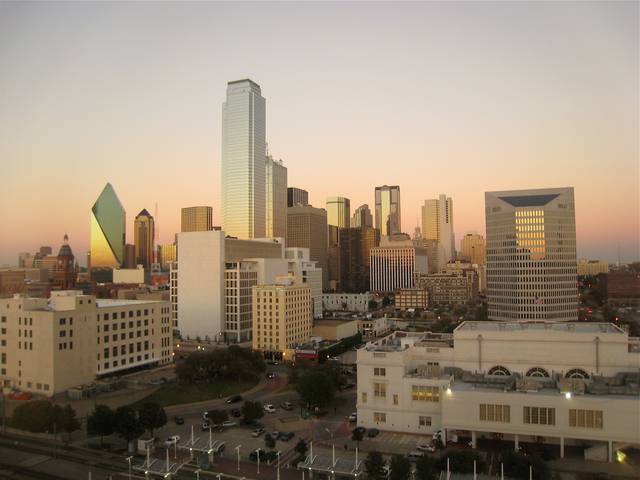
(258, 459)
(197, 472)
(238, 450)
(278, 470)
(129, 461)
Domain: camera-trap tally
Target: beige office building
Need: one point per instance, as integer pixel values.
(50, 345)
(196, 219)
(338, 211)
(395, 264)
(282, 316)
(447, 288)
(276, 202)
(558, 383)
(473, 249)
(437, 224)
(307, 228)
(412, 298)
(592, 267)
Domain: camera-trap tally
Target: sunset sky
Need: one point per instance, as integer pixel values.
(456, 98)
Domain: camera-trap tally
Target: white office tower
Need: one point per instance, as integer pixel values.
(276, 202)
(305, 271)
(531, 255)
(388, 214)
(243, 160)
(362, 217)
(396, 263)
(437, 224)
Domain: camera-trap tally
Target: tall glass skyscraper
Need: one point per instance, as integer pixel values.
(143, 234)
(276, 201)
(388, 219)
(108, 219)
(437, 224)
(531, 255)
(338, 211)
(243, 161)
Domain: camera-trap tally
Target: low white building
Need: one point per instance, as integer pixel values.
(347, 302)
(129, 275)
(300, 265)
(374, 327)
(560, 383)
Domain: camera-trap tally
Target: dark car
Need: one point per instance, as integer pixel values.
(234, 399)
(236, 412)
(179, 420)
(373, 432)
(286, 436)
(360, 430)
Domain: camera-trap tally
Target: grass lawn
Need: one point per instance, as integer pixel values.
(174, 394)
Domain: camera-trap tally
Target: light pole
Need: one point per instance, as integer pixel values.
(330, 433)
(238, 450)
(129, 461)
(197, 472)
(258, 458)
(278, 468)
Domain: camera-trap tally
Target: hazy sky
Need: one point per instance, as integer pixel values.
(456, 98)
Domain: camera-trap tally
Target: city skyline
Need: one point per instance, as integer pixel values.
(567, 112)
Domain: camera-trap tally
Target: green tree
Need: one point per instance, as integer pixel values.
(252, 411)
(427, 468)
(400, 468)
(373, 466)
(373, 305)
(216, 417)
(66, 420)
(100, 422)
(516, 465)
(316, 388)
(126, 424)
(386, 301)
(357, 436)
(269, 441)
(152, 416)
(301, 448)
(36, 416)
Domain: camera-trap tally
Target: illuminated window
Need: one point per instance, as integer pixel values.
(539, 416)
(495, 413)
(424, 393)
(585, 418)
(379, 417)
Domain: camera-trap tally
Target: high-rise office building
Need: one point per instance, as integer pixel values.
(196, 219)
(276, 201)
(167, 254)
(307, 228)
(355, 249)
(143, 234)
(531, 255)
(338, 211)
(437, 224)
(297, 197)
(396, 263)
(388, 215)
(473, 248)
(362, 217)
(108, 219)
(243, 160)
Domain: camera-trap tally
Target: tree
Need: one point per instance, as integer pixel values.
(386, 301)
(152, 416)
(216, 417)
(100, 422)
(126, 424)
(301, 448)
(461, 461)
(516, 465)
(400, 468)
(269, 441)
(427, 468)
(357, 436)
(373, 466)
(373, 305)
(66, 420)
(316, 388)
(36, 416)
(252, 411)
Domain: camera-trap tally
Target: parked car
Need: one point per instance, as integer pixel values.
(269, 408)
(415, 455)
(271, 375)
(228, 424)
(361, 430)
(373, 432)
(425, 447)
(353, 417)
(236, 412)
(257, 432)
(286, 436)
(275, 434)
(172, 440)
(286, 406)
(234, 399)
(179, 420)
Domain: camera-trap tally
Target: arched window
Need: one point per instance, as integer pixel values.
(576, 373)
(537, 372)
(499, 371)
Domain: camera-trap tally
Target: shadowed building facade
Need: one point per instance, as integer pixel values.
(143, 231)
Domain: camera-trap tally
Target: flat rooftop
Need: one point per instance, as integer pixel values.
(107, 302)
(574, 327)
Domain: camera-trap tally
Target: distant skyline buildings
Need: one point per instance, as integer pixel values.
(338, 212)
(362, 217)
(437, 224)
(143, 235)
(108, 226)
(388, 214)
(196, 219)
(276, 200)
(243, 160)
(297, 196)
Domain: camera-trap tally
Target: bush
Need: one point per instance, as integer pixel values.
(516, 465)
(233, 363)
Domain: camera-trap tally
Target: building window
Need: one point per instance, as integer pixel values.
(424, 421)
(395, 399)
(495, 413)
(539, 416)
(379, 390)
(499, 371)
(537, 372)
(576, 373)
(364, 395)
(379, 417)
(424, 393)
(379, 372)
(585, 418)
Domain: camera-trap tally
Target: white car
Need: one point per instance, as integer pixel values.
(228, 423)
(353, 417)
(425, 447)
(269, 408)
(172, 440)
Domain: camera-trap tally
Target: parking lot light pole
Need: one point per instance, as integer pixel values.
(238, 450)
(278, 468)
(197, 472)
(258, 458)
(129, 461)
